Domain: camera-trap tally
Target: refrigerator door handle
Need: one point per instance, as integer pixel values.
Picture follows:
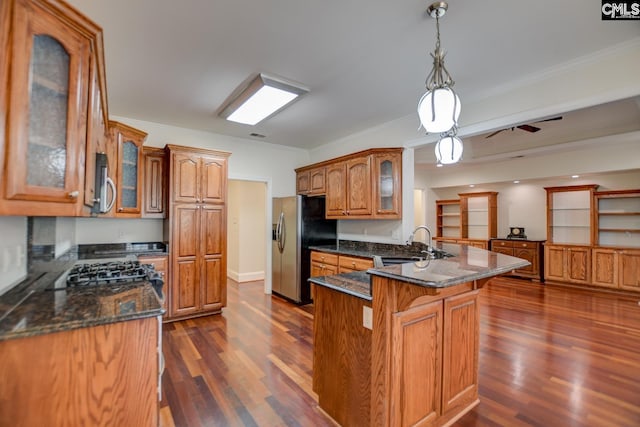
(283, 232)
(280, 232)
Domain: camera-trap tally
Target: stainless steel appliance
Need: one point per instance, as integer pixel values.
(299, 223)
(102, 184)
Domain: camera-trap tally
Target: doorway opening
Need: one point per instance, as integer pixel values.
(247, 218)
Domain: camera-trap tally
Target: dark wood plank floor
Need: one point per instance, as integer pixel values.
(548, 357)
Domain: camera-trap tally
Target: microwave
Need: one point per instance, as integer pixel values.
(103, 186)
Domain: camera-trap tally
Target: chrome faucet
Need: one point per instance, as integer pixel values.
(425, 228)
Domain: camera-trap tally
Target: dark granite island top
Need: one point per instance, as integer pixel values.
(467, 264)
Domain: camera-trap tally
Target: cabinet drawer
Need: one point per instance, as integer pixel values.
(501, 244)
(355, 263)
(528, 245)
(325, 258)
(158, 262)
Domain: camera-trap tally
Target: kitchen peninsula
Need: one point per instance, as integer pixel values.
(398, 345)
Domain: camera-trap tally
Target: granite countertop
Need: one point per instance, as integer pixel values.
(46, 311)
(32, 308)
(467, 264)
(357, 283)
(370, 249)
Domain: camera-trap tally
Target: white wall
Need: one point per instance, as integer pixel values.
(13, 251)
(246, 235)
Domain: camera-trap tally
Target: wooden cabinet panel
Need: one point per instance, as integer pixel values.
(103, 375)
(153, 194)
(358, 186)
(317, 181)
(214, 284)
(579, 265)
(323, 257)
(185, 177)
(185, 289)
(530, 255)
(460, 354)
(417, 346)
(185, 242)
(214, 179)
(629, 270)
(349, 263)
(320, 269)
(213, 230)
(336, 200)
(554, 263)
(605, 267)
(303, 182)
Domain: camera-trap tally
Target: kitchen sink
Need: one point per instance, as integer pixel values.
(380, 261)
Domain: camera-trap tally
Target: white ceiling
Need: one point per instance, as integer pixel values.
(364, 61)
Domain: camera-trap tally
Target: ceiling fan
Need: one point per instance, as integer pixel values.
(526, 127)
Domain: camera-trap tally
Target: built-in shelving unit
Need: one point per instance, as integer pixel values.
(617, 218)
(448, 218)
(569, 214)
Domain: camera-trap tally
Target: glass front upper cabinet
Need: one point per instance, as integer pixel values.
(47, 103)
(388, 192)
(129, 169)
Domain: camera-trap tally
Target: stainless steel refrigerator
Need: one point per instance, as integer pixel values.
(299, 222)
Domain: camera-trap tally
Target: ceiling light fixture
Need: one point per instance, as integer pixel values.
(449, 149)
(262, 97)
(575, 176)
(439, 107)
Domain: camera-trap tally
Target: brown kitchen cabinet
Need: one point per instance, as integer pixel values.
(531, 250)
(311, 182)
(161, 265)
(349, 189)
(129, 169)
(197, 231)
(45, 73)
(153, 193)
(424, 346)
(616, 268)
(100, 375)
(323, 264)
(347, 264)
(362, 185)
(567, 263)
(326, 264)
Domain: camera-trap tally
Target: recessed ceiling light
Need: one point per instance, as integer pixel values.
(575, 176)
(516, 182)
(439, 165)
(472, 185)
(261, 98)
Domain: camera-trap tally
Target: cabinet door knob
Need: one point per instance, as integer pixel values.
(353, 263)
(120, 209)
(73, 194)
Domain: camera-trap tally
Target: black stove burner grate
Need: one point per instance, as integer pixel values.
(108, 273)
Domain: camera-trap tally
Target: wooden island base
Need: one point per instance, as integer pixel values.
(417, 366)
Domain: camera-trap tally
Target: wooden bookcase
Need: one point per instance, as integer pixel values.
(617, 218)
(448, 218)
(471, 220)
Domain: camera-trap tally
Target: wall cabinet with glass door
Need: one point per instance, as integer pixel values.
(129, 168)
(45, 72)
(387, 168)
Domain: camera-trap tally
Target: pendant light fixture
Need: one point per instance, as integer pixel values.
(439, 107)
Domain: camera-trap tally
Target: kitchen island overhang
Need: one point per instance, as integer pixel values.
(419, 361)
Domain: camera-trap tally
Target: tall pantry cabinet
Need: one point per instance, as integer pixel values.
(196, 228)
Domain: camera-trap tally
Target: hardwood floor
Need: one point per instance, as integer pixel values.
(548, 357)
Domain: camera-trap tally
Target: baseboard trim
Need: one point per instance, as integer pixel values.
(245, 277)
